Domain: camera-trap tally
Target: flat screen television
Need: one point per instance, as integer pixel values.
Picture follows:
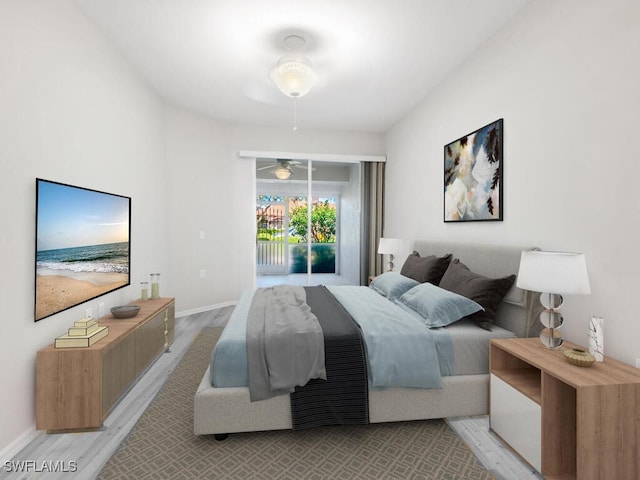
(83, 245)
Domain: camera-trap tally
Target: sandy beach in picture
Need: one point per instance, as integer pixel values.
(58, 290)
(82, 245)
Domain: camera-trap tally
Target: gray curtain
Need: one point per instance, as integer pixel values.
(372, 219)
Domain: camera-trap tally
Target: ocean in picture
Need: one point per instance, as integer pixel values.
(107, 258)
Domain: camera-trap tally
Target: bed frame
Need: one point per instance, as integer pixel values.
(221, 411)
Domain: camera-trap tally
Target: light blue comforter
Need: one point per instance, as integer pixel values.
(229, 356)
(400, 350)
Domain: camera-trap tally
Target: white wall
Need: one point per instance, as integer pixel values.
(564, 76)
(72, 111)
(212, 190)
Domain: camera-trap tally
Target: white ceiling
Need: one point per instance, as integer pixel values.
(376, 58)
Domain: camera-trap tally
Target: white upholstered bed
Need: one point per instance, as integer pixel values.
(225, 410)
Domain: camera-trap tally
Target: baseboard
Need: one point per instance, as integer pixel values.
(206, 308)
(15, 447)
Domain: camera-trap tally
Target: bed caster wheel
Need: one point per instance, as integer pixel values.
(220, 436)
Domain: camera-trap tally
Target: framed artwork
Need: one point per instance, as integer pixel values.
(473, 176)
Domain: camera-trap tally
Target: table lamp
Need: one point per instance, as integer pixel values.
(553, 274)
(390, 246)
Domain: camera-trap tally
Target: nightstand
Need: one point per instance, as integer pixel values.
(568, 422)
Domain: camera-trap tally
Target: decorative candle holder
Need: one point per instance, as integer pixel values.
(155, 285)
(144, 291)
(579, 357)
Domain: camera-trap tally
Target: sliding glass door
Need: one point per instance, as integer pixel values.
(315, 235)
(293, 239)
(272, 234)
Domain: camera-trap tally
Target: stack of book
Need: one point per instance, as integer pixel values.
(84, 333)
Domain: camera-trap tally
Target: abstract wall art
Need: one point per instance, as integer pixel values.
(473, 167)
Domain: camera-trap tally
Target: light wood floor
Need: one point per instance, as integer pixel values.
(91, 450)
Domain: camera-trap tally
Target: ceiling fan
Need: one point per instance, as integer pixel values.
(283, 169)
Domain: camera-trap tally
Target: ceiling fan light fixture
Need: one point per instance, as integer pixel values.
(294, 76)
(282, 173)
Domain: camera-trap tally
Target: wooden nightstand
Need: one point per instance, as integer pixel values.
(568, 422)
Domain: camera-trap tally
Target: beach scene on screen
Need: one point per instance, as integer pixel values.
(82, 246)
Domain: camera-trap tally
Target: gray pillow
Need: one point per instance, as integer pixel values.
(425, 269)
(436, 306)
(488, 292)
(392, 285)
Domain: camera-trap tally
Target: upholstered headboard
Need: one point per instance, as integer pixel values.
(515, 311)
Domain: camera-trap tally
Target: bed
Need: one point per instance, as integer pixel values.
(463, 385)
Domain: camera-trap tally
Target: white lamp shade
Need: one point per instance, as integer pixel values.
(294, 76)
(390, 246)
(553, 272)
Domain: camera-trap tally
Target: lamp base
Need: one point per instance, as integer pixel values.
(552, 320)
(551, 338)
(391, 262)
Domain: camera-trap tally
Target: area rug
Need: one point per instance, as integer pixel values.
(162, 444)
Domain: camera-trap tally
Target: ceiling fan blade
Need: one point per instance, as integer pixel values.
(267, 167)
(305, 167)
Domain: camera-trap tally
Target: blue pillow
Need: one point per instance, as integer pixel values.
(392, 285)
(436, 306)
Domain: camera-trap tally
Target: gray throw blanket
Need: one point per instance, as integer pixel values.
(285, 344)
(343, 399)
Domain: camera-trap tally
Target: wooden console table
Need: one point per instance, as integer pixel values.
(569, 422)
(76, 388)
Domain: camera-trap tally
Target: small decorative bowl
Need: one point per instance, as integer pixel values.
(125, 311)
(579, 357)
